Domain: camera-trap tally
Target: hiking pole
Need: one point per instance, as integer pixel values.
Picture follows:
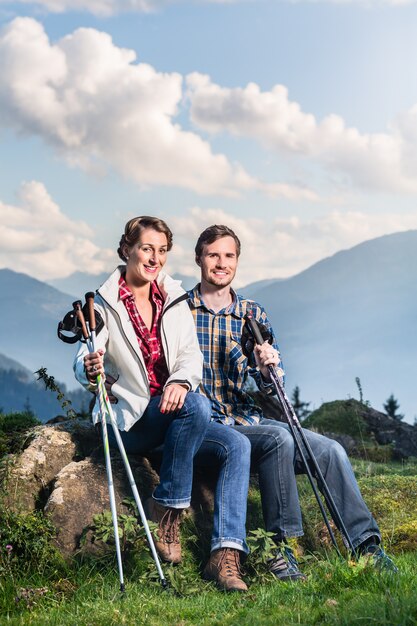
(297, 431)
(89, 298)
(80, 315)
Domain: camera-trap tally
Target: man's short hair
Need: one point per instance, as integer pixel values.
(212, 234)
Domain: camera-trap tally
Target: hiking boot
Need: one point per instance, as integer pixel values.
(381, 561)
(168, 519)
(224, 568)
(284, 565)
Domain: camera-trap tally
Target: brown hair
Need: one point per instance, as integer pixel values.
(134, 229)
(212, 234)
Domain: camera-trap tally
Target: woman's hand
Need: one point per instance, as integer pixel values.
(266, 355)
(93, 365)
(109, 382)
(172, 398)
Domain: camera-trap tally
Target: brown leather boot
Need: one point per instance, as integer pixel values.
(168, 543)
(224, 568)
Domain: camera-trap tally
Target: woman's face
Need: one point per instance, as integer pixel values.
(147, 257)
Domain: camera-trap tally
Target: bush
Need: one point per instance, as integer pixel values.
(28, 540)
(341, 417)
(13, 431)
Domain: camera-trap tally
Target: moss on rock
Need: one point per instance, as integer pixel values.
(341, 417)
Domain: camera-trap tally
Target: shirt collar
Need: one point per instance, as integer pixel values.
(125, 292)
(235, 308)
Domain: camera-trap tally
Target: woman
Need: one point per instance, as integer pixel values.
(149, 347)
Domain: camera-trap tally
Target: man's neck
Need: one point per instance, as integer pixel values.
(216, 298)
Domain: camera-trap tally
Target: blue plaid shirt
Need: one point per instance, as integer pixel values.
(226, 368)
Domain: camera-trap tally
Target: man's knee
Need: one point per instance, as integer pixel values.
(278, 438)
(336, 450)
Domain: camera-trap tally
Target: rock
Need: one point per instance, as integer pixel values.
(387, 430)
(31, 472)
(359, 428)
(80, 492)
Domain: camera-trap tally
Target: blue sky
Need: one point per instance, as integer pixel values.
(293, 122)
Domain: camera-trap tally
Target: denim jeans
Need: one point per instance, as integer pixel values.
(227, 451)
(188, 436)
(182, 433)
(277, 461)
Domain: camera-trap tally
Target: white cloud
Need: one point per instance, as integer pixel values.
(281, 247)
(98, 108)
(379, 161)
(36, 238)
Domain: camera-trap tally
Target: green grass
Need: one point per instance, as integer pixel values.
(336, 592)
(38, 588)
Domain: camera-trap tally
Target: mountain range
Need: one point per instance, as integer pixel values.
(351, 315)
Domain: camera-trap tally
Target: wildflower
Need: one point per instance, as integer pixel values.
(9, 548)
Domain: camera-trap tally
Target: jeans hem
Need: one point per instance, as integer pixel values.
(173, 504)
(229, 542)
(358, 542)
(288, 534)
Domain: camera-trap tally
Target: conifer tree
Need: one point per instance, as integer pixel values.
(391, 407)
(301, 408)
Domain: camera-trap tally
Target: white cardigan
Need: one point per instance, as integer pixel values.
(123, 357)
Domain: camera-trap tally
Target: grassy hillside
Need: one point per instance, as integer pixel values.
(37, 587)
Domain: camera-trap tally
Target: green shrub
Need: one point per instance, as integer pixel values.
(30, 540)
(15, 431)
(341, 417)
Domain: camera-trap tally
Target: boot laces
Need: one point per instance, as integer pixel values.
(170, 526)
(230, 561)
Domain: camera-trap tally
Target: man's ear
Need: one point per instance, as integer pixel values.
(197, 260)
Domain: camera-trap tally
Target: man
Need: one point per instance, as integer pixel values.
(219, 316)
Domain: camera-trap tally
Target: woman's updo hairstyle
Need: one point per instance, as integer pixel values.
(134, 229)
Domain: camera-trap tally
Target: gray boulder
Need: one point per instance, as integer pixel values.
(30, 473)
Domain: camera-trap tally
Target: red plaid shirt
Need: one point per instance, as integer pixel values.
(149, 340)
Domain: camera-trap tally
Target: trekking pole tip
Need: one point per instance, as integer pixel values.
(122, 588)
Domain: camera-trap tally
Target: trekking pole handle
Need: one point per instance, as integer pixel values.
(89, 298)
(80, 315)
(254, 329)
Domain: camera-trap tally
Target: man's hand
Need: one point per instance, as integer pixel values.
(266, 355)
(93, 365)
(172, 398)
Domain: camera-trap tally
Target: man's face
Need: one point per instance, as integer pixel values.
(218, 262)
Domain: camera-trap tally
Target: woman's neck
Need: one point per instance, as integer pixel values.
(141, 290)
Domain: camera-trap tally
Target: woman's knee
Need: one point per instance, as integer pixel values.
(232, 447)
(197, 405)
(239, 445)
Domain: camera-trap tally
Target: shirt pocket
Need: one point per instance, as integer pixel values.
(234, 355)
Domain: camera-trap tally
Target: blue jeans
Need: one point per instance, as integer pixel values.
(182, 433)
(277, 461)
(188, 436)
(228, 452)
